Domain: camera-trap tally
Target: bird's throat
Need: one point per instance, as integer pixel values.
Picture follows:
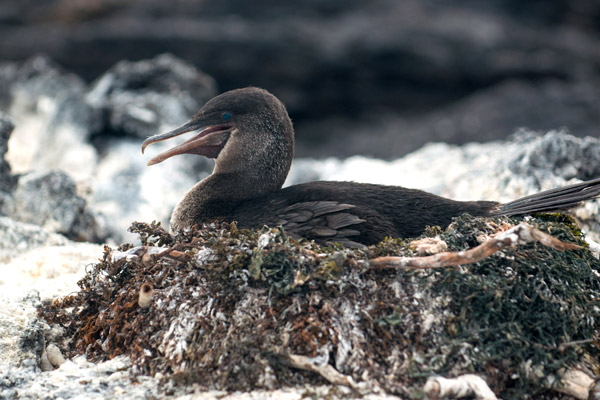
(216, 197)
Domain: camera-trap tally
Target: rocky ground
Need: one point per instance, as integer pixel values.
(72, 178)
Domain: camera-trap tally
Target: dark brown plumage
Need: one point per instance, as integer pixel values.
(249, 134)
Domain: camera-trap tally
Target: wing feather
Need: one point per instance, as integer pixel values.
(322, 221)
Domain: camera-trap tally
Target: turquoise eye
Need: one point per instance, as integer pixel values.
(226, 116)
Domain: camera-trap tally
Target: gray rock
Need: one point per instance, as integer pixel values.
(21, 342)
(53, 121)
(557, 153)
(7, 180)
(18, 237)
(6, 127)
(140, 98)
(37, 79)
(50, 200)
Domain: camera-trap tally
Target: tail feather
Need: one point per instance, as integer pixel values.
(557, 199)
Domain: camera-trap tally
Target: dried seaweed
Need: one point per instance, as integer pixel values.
(229, 306)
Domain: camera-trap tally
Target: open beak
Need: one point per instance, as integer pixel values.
(209, 141)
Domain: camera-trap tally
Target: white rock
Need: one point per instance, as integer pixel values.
(55, 356)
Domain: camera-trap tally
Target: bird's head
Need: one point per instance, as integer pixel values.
(243, 130)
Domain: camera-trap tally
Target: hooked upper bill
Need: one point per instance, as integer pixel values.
(209, 141)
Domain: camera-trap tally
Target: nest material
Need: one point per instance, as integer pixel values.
(230, 309)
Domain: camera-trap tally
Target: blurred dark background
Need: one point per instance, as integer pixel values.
(379, 77)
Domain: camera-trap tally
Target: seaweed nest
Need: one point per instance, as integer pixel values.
(229, 309)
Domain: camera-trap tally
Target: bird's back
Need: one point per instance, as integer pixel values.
(352, 213)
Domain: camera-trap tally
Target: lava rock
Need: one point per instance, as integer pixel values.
(53, 121)
(19, 237)
(6, 127)
(140, 98)
(54, 133)
(50, 199)
(21, 341)
(7, 180)
(557, 153)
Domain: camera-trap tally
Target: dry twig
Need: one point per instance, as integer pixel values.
(325, 370)
(517, 235)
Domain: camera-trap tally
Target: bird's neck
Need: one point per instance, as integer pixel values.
(217, 196)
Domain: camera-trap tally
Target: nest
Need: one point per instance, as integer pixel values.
(236, 309)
